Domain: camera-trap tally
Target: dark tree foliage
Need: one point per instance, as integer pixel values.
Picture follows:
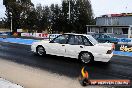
(31, 22)
(54, 17)
(17, 10)
(81, 15)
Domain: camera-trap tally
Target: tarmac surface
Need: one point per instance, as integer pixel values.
(119, 67)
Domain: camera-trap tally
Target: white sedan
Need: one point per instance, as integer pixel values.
(79, 46)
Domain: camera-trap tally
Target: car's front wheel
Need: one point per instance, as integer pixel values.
(86, 57)
(41, 51)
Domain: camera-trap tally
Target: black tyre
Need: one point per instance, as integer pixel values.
(41, 51)
(83, 82)
(86, 57)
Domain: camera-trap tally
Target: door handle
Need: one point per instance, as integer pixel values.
(81, 46)
(63, 45)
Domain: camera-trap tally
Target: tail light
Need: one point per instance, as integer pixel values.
(113, 46)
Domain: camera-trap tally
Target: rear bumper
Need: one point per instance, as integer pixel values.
(103, 57)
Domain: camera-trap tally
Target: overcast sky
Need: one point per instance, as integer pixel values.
(100, 7)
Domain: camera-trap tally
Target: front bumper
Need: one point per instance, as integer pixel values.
(33, 48)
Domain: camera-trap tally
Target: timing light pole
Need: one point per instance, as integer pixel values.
(11, 21)
(69, 10)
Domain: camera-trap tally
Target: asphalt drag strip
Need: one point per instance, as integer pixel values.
(19, 65)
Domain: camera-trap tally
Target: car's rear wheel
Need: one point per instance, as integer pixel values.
(41, 50)
(86, 57)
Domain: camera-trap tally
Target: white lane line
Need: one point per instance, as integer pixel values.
(6, 84)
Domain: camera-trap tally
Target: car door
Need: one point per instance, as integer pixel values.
(57, 45)
(74, 46)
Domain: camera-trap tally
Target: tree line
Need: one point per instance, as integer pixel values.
(54, 18)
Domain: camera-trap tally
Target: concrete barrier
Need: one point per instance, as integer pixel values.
(123, 49)
(40, 35)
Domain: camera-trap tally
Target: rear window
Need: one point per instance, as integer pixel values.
(93, 41)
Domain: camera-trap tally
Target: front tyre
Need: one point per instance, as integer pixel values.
(41, 51)
(86, 57)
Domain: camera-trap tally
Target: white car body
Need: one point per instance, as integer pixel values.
(99, 51)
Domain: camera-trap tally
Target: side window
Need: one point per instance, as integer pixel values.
(102, 36)
(86, 41)
(79, 40)
(97, 36)
(71, 40)
(62, 39)
(75, 40)
(106, 36)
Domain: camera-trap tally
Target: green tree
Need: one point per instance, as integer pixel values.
(31, 21)
(45, 19)
(27, 7)
(17, 10)
(84, 14)
(55, 18)
(80, 15)
(64, 17)
(39, 11)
